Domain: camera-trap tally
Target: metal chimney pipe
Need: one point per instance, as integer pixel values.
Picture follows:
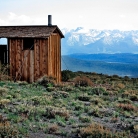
(49, 20)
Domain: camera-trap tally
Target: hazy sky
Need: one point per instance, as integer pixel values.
(93, 14)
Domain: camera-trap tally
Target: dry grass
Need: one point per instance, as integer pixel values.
(82, 81)
(120, 86)
(4, 102)
(127, 107)
(53, 128)
(4, 73)
(3, 91)
(99, 131)
(52, 112)
(47, 81)
(136, 128)
(6, 130)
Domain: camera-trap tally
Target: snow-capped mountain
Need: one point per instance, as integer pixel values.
(81, 40)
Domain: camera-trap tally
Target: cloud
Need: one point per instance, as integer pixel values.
(19, 19)
(122, 16)
(3, 22)
(14, 19)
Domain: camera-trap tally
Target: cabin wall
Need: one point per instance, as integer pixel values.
(15, 56)
(54, 56)
(40, 58)
(30, 65)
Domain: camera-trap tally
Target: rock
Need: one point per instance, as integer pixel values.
(136, 119)
(87, 103)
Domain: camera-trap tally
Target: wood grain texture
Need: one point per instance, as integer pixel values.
(36, 59)
(30, 65)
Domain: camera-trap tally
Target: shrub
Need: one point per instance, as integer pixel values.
(52, 112)
(63, 93)
(4, 102)
(47, 81)
(53, 128)
(67, 75)
(98, 131)
(125, 101)
(6, 129)
(95, 112)
(136, 128)
(50, 89)
(82, 81)
(134, 97)
(114, 119)
(3, 91)
(84, 98)
(98, 91)
(127, 107)
(22, 82)
(4, 71)
(97, 100)
(41, 100)
(120, 86)
(85, 119)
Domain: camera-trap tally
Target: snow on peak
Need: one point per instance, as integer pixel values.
(85, 36)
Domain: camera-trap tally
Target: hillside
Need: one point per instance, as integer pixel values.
(89, 105)
(78, 63)
(113, 58)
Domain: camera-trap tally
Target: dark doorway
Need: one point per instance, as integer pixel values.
(3, 54)
(4, 51)
(28, 44)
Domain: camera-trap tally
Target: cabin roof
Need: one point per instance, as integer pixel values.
(32, 31)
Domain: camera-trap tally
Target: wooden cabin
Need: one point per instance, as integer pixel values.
(32, 51)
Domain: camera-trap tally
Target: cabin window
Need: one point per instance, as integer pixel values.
(4, 55)
(28, 44)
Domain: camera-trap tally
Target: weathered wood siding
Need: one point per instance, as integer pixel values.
(15, 54)
(40, 58)
(54, 56)
(30, 65)
(27, 66)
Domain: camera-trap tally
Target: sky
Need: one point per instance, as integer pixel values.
(90, 14)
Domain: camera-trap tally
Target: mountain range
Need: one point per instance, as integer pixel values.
(89, 41)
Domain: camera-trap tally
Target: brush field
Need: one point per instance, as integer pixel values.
(84, 105)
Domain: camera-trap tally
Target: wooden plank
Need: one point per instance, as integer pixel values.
(41, 58)
(52, 53)
(36, 60)
(18, 58)
(22, 69)
(31, 66)
(28, 65)
(10, 56)
(25, 64)
(59, 58)
(50, 63)
(46, 57)
(56, 60)
(35, 69)
(21, 60)
(49, 56)
(55, 45)
(13, 57)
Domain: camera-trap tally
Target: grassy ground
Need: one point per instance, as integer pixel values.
(98, 106)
